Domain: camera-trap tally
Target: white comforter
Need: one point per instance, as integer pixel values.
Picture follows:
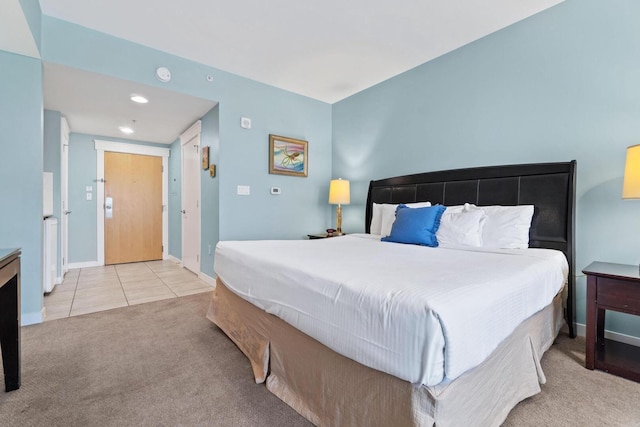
(421, 314)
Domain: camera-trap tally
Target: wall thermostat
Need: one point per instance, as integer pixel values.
(163, 74)
(245, 122)
(275, 190)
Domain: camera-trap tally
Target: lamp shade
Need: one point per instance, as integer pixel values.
(339, 193)
(631, 185)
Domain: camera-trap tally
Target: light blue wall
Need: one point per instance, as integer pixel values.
(210, 219)
(21, 167)
(302, 207)
(243, 154)
(83, 228)
(51, 141)
(175, 200)
(82, 219)
(558, 86)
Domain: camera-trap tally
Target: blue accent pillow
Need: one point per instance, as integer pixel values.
(416, 226)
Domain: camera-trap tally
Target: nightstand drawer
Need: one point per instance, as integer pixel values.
(618, 294)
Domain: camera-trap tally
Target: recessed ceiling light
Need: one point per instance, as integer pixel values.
(126, 129)
(139, 98)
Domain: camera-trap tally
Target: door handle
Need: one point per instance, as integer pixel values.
(108, 207)
(67, 212)
(183, 211)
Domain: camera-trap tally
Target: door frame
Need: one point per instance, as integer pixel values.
(121, 147)
(64, 197)
(188, 135)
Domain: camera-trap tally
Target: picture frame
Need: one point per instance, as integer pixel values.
(288, 156)
(205, 157)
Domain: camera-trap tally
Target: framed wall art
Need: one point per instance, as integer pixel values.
(288, 156)
(205, 158)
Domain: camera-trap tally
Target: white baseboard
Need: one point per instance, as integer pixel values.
(59, 280)
(86, 264)
(174, 259)
(615, 336)
(210, 280)
(32, 318)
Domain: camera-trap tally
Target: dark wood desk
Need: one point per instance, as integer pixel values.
(10, 316)
(611, 287)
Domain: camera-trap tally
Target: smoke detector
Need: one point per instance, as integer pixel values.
(163, 74)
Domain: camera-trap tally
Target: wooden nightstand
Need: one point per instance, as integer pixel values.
(613, 287)
(317, 236)
(321, 236)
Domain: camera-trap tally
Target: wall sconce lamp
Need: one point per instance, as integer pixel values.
(339, 194)
(631, 183)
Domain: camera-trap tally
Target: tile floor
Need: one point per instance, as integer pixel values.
(88, 290)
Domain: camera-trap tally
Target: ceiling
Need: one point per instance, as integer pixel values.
(325, 50)
(97, 105)
(15, 35)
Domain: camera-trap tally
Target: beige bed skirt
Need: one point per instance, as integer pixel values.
(331, 390)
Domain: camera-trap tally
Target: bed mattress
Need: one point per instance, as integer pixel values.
(424, 315)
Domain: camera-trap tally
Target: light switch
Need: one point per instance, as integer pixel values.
(89, 188)
(243, 190)
(89, 196)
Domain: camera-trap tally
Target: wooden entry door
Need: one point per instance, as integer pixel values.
(133, 208)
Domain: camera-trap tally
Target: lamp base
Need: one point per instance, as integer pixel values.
(338, 231)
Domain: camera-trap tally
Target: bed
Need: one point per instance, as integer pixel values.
(285, 305)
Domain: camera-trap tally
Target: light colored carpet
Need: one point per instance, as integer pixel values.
(164, 364)
(576, 396)
(155, 364)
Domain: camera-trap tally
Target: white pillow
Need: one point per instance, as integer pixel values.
(457, 208)
(418, 204)
(376, 219)
(506, 226)
(461, 227)
(384, 214)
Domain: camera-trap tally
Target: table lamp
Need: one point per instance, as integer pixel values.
(339, 195)
(631, 183)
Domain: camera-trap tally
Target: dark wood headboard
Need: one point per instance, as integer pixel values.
(550, 187)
